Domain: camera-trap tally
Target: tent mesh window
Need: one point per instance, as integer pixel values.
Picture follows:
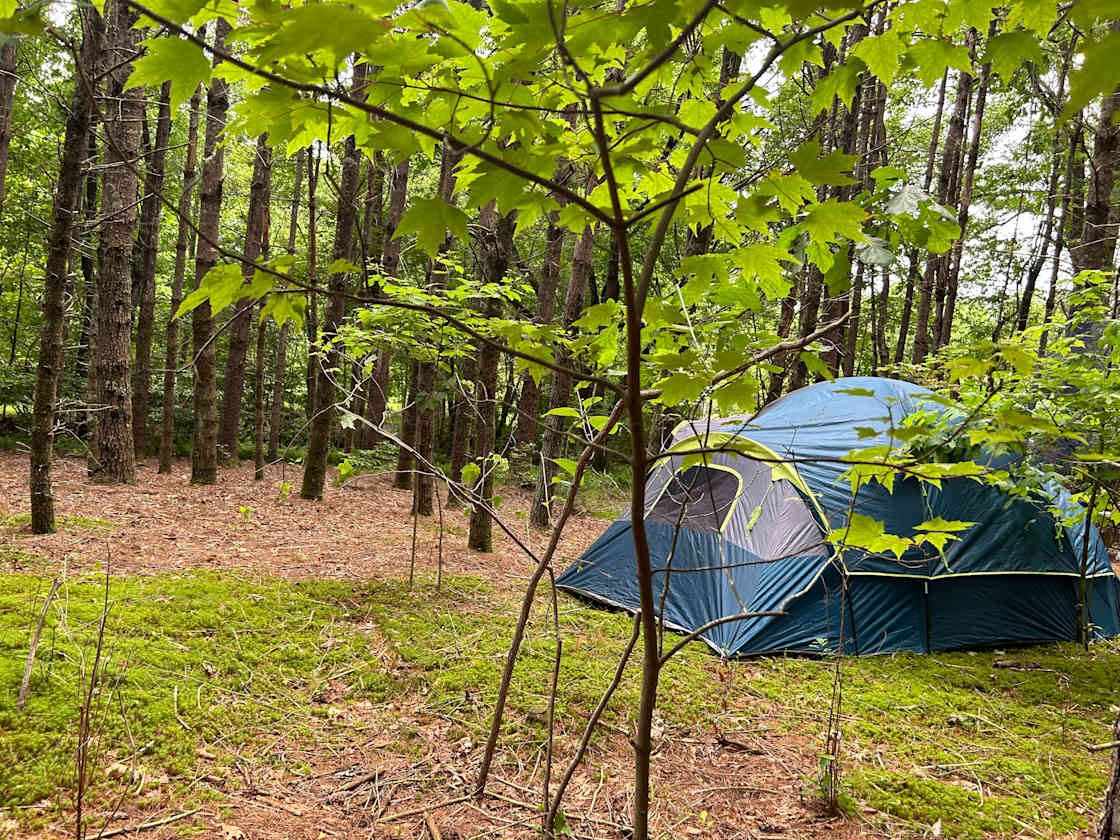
(707, 496)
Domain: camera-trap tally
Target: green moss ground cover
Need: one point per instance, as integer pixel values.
(991, 744)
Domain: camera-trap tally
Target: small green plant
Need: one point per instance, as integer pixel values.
(245, 511)
(285, 488)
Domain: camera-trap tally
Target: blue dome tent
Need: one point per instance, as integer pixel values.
(747, 531)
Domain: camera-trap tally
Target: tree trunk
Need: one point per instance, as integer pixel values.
(89, 280)
(204, 451)
(262, 336)
(8, 79)
(529, 405)
(965, 202)
(402, 476)
(319, 441)
(422, 502)
(933, 292)
(552, 444)
(1075, 134)
(311, 323)
(276, 420)
(242, 323)
(462, 425)
(495, 240)
(74, 148)
(171, 357)
(1098, 238)
(112, 450)
(144, 287)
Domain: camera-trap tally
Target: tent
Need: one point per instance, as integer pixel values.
(747, 532)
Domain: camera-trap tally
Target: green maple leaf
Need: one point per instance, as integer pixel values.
(1009, 51)
(932, 57)
(680, 388)
(175, 60)
(882, 54)
(830, 220)
(432, 219)
(834, 169)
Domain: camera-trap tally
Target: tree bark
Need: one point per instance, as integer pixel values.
(328, 358)
(493, 261)
(529, 404)
(144, 285)
(204, 451)
(171, 357)
(112, 451)
(8, 79)
(276, 420)
(311, 323)
(422, 502)
(1098, 239)
(950, 161)
(262, 336)
(965, 201)
(88, 267)
(914, 275)
(74, 148)
(255, 225)
(552, 444)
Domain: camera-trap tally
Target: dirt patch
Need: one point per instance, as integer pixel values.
(358, 532)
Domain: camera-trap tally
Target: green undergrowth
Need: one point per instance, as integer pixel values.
(991, 744)
(186, 660)
(70, 523)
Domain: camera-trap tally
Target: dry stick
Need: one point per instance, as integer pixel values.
(403, 815)
(25, 684)
(593, 721)
(530, 591)
(546, 794)
(129, 829)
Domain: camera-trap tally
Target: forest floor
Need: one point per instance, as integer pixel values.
(266, 670)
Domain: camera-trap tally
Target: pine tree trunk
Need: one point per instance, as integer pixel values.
(258, 357)
(969, 172)
(462, 426)
(319, 440)
(496, 238)
(144, 286)
(276, 421)
(88, 267)
(8, 79)
(1098, 239)
(529, 405)
(242, 323)
(66, 198)
(171, 357)
(402, 476)
(933, 292)
(311, 323)
(552, 444)
(1075, 134)
(422, 502)
(112, 450)
(204, 450)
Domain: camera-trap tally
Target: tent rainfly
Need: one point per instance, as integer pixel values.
(747, 531)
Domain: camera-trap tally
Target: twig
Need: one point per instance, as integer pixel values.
(25, 685)
(128, 829)
(1111, 745)
(403, 815)
(433, 829)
